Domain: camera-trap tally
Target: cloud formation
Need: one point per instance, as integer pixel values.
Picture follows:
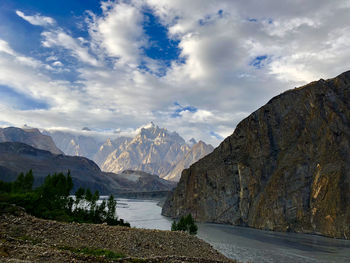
(37, 19)
(232, 58)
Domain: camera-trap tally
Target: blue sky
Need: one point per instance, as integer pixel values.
(197, 67)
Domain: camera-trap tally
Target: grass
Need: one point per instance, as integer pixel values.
(97, 252)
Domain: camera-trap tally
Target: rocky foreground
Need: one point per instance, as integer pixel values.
(24, 238)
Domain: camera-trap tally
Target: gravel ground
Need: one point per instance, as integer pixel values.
(24, 238)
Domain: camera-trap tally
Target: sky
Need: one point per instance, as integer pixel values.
(196, 67)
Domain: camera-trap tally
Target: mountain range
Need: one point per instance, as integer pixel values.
(16, 157)
(286, 167)
(153, 150)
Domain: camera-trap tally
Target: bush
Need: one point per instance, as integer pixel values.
(186, 223)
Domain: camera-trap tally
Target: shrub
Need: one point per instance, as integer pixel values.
(186, 223)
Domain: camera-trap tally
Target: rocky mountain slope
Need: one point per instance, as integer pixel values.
(75, 144)
(286, 167)
(110, 146)
(154, 150)
(31, 137)
(18, 157)
(198, 151)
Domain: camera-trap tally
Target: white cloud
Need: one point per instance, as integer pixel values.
(4, 47)
(57, 64)
(219, 42)
(61, 39)
(119, 31)
(37, 19)
(21, 59)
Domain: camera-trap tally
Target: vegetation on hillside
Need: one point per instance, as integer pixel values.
(52, 200)
(186, 223)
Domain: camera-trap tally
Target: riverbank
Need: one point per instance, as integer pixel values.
(27, 238)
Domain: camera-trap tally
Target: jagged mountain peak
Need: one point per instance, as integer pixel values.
(192, 141)
(154, 132)
(154, 149)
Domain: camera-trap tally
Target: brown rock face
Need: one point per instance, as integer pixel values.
(286, 167)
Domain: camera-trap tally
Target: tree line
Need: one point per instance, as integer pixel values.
(52, 200)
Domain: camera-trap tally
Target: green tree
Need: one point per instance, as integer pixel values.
(111, 206)
(52, 201)
(88, 195)
(101, 211)
(186, 223)
(79, 194)
(23, 183)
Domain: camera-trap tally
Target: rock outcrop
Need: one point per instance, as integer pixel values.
(32, 137)
(286, 167)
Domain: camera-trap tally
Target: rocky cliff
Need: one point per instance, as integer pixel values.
(31, 137)
(286, 167)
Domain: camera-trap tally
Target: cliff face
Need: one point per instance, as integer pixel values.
(286, 167)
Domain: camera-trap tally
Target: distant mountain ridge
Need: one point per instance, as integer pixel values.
(74, 144)
(157, 151)
(18, 157)
(154, 150)
(31, 137)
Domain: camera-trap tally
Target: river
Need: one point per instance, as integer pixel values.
(241, 243)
